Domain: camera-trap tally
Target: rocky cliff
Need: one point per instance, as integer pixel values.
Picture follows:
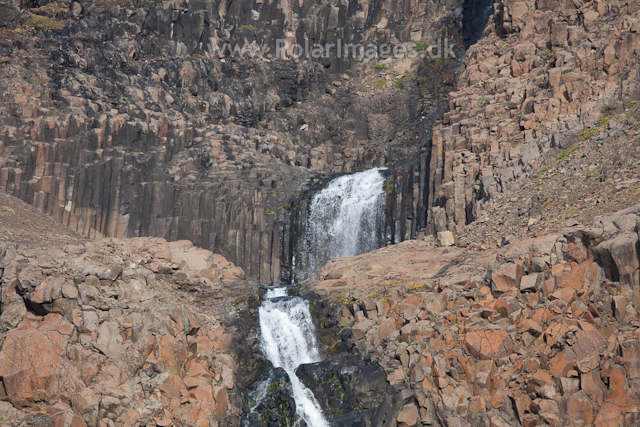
(550, 78)
(118, 332)
(121, 119)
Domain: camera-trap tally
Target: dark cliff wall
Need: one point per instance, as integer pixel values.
(118, 122)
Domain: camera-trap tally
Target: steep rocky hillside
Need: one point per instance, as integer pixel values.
(543, 126)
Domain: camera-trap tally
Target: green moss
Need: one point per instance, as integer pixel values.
(388, 187)
(588, 133)
(246, 28)
(51, 9)
(545, 169)
(609, 109)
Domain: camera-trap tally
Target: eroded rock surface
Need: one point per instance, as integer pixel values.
(543, 331)
(119, 333)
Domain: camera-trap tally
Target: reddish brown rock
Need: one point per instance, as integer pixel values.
(31, 357)
(488, 344)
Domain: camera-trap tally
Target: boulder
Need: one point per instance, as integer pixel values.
(619, 258)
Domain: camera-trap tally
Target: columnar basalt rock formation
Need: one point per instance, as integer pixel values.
(547, 75)
(121, 120)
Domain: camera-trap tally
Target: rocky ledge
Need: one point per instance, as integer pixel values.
(119, 333)
(543, 331)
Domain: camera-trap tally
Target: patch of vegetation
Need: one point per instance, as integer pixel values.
(588, 133)
(374, 294)
(380, 67)
(381, 82)
(609, 109)
(51, 9)
(246, 28)
(40, 22)
(574, 213)
(388, 187)
(346, 300)
(602, 123)
(398, 84)
(566, 153)
(420, 47)
(545, 169)
(179, 205)
(7, 209)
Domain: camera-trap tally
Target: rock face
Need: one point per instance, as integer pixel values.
(122, 120)
(118, 333)
(543, 331)
(547, 76)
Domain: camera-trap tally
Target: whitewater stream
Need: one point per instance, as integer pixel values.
(346, 218)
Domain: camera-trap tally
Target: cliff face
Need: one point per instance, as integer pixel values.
(549, 76)
(120, 119)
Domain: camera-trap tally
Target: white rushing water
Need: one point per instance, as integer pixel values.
(345, 219)
(288, 341)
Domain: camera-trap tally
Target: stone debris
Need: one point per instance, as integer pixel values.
(538, 332)
(117, 333)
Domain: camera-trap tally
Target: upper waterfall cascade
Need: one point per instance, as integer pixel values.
(345, 219)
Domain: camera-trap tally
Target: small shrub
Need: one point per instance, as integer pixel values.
(381, 82)
(399, 85)
(380, 67)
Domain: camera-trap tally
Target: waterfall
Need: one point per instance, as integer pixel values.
(288, 341)
(346, 218)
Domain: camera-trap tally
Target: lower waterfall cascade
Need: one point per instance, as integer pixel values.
(288, 341)
(346, 218)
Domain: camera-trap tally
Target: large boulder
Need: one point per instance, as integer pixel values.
(31, 357)
(619, 258)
